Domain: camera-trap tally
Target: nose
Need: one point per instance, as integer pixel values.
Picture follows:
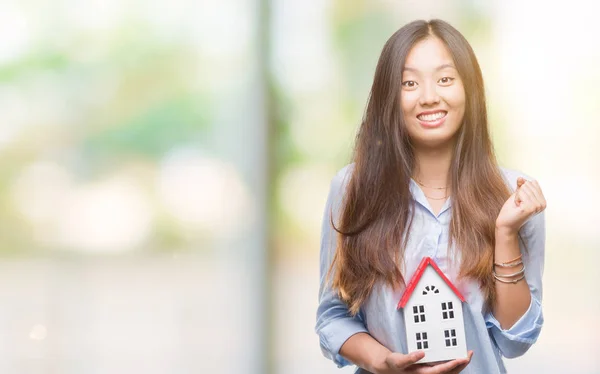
(429, 95)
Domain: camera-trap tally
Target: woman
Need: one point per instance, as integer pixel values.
(425, 183)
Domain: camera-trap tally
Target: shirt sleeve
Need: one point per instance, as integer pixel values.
(334, 324)
(516, 340)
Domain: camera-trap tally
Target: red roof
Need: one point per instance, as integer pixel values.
(417, 275)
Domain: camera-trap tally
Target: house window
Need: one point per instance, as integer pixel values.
(422, 342)
(450, 336)
(447, 310)
(430, 289)
(419, 313)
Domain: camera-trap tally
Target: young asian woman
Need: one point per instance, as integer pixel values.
(424, 182)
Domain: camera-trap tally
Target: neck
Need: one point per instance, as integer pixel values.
(433, 166)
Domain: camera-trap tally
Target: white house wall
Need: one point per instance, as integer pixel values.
(434, 325)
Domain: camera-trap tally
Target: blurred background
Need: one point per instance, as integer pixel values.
(164, 167)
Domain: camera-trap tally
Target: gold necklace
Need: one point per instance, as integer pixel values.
(436, 198)
(435, 188)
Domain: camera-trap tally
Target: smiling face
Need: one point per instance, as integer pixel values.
(432, 95)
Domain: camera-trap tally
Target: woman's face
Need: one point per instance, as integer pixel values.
(432, 95)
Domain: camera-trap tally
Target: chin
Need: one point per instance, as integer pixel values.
(435, 141)
(435, 138)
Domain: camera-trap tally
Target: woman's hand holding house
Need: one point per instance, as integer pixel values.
(398, 363)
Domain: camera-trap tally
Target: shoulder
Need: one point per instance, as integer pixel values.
(342, 178)
(510, 177)
(338, 188)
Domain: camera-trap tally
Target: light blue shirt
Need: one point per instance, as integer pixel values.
(429, 237)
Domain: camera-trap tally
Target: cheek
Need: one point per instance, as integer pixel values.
(407, 102)
(459, 106)
(457, 97)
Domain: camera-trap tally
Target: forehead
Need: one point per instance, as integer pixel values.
(427, 55)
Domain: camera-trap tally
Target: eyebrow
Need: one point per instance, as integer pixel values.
(443, 66)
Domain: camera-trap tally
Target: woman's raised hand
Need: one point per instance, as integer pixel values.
(527, 201)
(398, 363)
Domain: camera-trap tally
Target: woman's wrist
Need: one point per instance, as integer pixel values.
(507, 245)
(378, 361)
(364, 351)
(503, 232)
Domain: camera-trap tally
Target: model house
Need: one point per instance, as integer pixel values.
(433, 315)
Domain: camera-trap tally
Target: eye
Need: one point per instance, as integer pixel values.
(446, 80)
(409, 84)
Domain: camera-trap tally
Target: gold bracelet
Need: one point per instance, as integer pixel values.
(508, 264)
(510, 275)
(511, 261)
(514, 281)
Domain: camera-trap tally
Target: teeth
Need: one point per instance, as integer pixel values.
(432, 117)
